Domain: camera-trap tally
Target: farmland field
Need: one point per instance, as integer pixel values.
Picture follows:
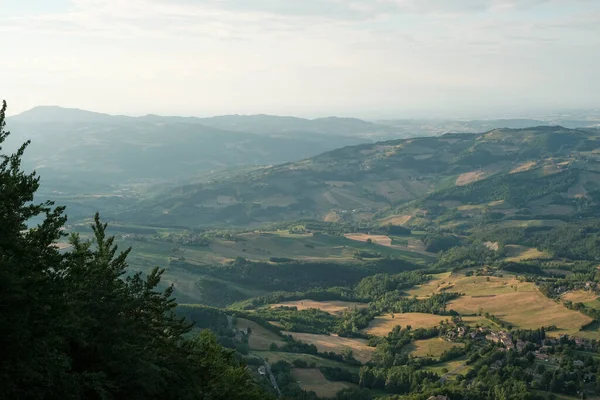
(362, 352)
(590, 299)
(434, 347)
(260, 338)
(520, 253)
(470, 285)
(274, 356)
(515, 302)
(454, 368)
(383, 325)
(469, 177)
(332, 307)
(527, 309)
(313, 380)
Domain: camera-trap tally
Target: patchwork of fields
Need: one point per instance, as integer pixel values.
(518, 303)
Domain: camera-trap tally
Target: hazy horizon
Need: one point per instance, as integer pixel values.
(315, 58)
(547, 115)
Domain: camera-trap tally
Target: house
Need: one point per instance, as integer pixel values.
(541, 356)
(439, 397)
(262, 370)
(493, 337)
(506, 340)
(578, 363)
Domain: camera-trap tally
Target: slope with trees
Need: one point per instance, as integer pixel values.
(78, 325)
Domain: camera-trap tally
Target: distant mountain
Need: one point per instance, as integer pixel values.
(69, 145)
(435, 127)
(268, 124)
(49, 114)
(362, 182)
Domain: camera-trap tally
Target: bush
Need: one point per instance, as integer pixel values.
(298, 363)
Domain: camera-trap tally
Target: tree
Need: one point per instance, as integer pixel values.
(74, 326)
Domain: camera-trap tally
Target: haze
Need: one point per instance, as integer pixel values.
(306, 58)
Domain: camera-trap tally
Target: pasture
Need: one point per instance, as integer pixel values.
(524, 309)
(401, 243)
(331, 307)
(518, 253)
(469, 177)
(588, 298)
(470, 285)
(433, 347)
(384, 324)
(262, 246)
(274, 356)
(313, 380)
(382, 240)
(453, 368)
(362, 352)
(260, 338)
(515, 302)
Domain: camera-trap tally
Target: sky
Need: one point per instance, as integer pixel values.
(364, 58)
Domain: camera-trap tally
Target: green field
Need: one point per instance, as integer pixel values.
(273, 356)
(433, 348)
(450, 369)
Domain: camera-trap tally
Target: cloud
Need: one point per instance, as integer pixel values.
(259, 55)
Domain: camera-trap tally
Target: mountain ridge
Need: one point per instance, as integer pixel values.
(358, 182)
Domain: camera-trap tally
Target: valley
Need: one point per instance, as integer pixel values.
(423, 258)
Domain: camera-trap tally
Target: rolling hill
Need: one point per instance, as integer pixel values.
(370, 181)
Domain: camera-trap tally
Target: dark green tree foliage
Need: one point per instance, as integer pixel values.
(440, 242)
(325, 294)
(517, 189)
(203, 317)
(311, 320)
(301, 276)
(74, 327)
(335, 374)
(376, 286)
(574, 241)
(474, 255)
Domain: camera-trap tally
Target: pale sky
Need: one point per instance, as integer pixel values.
(301, 57)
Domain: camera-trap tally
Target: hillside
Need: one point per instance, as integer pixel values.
(367, 181)
(129, 156)
(68, 144)
(493, 273)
